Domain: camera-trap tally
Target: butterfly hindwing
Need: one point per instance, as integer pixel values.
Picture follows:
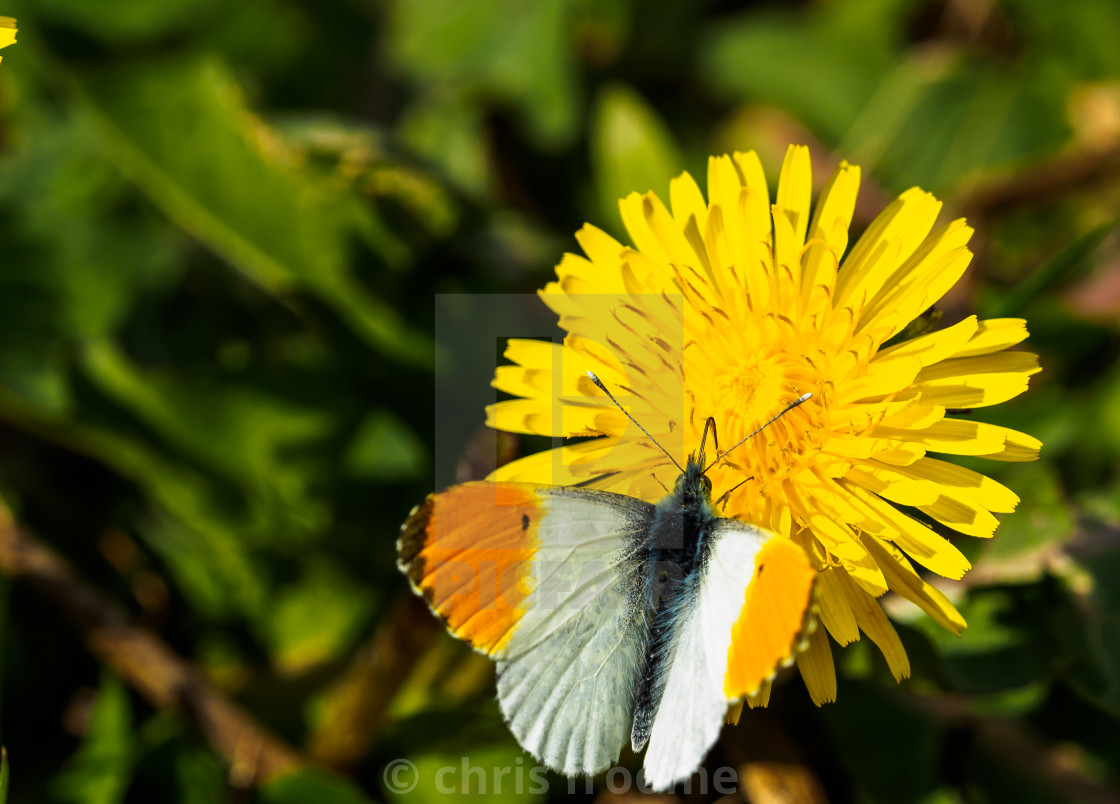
(734, 632)
(546, 580)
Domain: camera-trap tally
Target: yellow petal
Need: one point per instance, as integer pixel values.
(7, 31)
(921, 543)
(542, 417)
(795, 192)
(828, 231)
(889, 242)
(883, 377)
(668, 233)
(786, 276)
(558, 467)
(911, 292)
(865, 572)
(817, 670)
(979, 391)
(936, 346)
(889, 450)
(575, 267)
(687, 201)
(873, 622)
(978, 381)
(724, 183)
(632, 208)
(540, 363)
(953, 436)
(600, 247)
(1017, 447)
(835, 610)
(997, 363)
(993, 335)
(914, 415)
(752, 176)
(957, 481)
(904, 581)
(893, 486)
(760, 698)
(962, 514)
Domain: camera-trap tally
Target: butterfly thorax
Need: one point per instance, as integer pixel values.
(682, 519)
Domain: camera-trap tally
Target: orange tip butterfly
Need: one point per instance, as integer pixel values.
(611, 618)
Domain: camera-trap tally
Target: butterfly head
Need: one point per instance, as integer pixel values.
(693, 484)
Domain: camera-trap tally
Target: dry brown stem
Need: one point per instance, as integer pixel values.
(141, 658)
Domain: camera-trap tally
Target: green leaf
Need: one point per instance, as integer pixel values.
(200, 778)
(55, 290)
(55, 180)
(444, 755)
(519, 53)
(305, 786)
(1087, 628)
(100, 771)
(1085, 34)
(974, 116)
(242, 191)
(450, 131)
(998, 652)
(250, 436)
(1046, 276)
(928, 117)
(632, 149)
(1044, 520)
(385, 448)
(126, 20)
(317, 618)
(809, 65)
(889, 769)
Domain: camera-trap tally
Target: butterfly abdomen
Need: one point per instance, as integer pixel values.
(677, 550)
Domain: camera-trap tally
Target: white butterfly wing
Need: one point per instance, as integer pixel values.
(744, 619)
(566, 628)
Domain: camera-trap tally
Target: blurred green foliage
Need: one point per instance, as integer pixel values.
(221, 229)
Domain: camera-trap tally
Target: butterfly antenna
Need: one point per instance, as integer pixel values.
(787, 409)
(603, 388)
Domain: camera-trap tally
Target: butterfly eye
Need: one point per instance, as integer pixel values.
(707, 483)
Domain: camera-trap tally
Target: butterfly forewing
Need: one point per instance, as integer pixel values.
(546, 580)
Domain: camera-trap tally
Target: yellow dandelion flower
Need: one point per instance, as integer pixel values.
(7, 31)
(735, 306)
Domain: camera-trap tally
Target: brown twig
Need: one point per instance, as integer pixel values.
(1069, 172)
(142, 659)
(356, 707)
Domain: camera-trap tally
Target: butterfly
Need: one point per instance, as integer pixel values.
(610, 618)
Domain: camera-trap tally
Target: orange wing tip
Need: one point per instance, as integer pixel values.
(467, 551)
(411, 541)
(775, 620)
